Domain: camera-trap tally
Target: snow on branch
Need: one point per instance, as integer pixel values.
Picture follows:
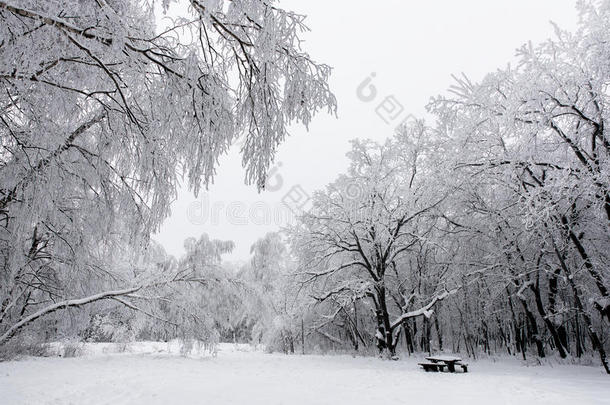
(138, 309)
(425, 310)
(330, 337)
(55, 22)
(65, 304)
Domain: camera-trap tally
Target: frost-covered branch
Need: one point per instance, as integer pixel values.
(425, 310)
(65, 304)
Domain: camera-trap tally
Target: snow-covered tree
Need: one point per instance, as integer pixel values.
(102, 114)
(519, 165)
(533, 142)
(274, 306)
(356, 241)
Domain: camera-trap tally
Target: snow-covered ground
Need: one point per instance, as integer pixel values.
(150, 374)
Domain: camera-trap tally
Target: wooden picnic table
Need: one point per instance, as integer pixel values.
(450, 361)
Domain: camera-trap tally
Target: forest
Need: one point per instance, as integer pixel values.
(482, 228)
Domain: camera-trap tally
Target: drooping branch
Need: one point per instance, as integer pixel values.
(43, 163)
(55, 22)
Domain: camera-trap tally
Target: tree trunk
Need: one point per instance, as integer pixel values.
(303, 337)
(548, 322)
(426, 329)
(408, 336)
(383, 322)
(595, 341)
(597, 277)
(439, 335)
(516, 329)
(533, 327)
(579, 346)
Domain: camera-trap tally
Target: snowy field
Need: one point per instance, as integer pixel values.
(152, 374)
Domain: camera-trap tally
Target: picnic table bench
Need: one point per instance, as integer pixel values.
(433, 366)
(438, 363)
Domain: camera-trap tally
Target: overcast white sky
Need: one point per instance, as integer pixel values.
(411, 47)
